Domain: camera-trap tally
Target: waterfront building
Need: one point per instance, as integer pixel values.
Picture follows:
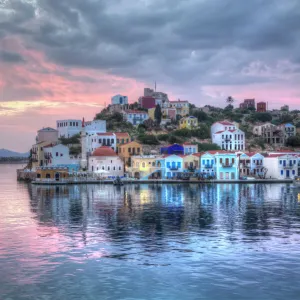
(101, 139)
(135, 117)
(252, 164)
(52, 173)
(105, 161)
(59, 155)
(172, 166)
(285, 108)
(172, 149)
(207, 164)
(126, 151)
(191, 163)
(281, 166)
(37, 154)
(261, 107)
(188, 123)
(227, 136)
(144, 167)
(226, 165)
(47, 134)
(248, 103)
(119, 99)
(189, 148)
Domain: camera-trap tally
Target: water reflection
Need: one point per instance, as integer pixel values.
(150, 213)
(149, 241)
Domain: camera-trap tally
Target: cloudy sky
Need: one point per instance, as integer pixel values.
(66, 58)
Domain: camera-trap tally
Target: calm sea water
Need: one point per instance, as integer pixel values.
(148, 242)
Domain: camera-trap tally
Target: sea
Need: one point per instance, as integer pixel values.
(148, 241)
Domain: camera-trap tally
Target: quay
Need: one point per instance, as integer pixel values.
(156, 181)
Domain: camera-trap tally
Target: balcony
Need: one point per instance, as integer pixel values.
(227, 140)
(286, 167)
(208, 166)
(173, 168)
(227, 165)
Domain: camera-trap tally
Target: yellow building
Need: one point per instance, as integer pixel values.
(144, 166)
(126, 151)
(54, 173)
(191, 161)
(188, 122)
(37, 154)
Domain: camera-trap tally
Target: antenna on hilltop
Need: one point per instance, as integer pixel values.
(155, 86)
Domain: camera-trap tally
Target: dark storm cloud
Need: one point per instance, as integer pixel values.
(173, 41)
(11, 57)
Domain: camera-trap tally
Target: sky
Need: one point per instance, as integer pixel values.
(64, 59)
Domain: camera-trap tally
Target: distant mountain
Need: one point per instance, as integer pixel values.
(8, 153)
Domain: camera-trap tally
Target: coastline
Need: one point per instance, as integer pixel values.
(164, 181)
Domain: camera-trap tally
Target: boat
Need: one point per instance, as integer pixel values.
(118, 181)
(297, 181)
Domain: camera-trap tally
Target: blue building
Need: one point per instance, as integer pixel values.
(171, 166)
(172, 149)
(207, 165)
(226, 166)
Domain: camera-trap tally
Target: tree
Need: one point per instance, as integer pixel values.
(229, 100)
(157, 114)
(293, 141)
(207, 147)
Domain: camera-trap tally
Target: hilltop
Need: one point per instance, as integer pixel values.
(9, 153)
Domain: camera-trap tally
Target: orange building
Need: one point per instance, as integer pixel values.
(126, 151)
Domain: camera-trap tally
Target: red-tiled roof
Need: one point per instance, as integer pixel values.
(274, 155)
(104, 151)
(105, 133)
(188, 144)
(179, 101)
(122, 134)
(250, 154)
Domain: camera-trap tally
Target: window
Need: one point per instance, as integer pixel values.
(293, 172)
(114, 168)
(56, 153)
(138, 150)
(143, 165)
(280, 162)
(100, 141)
(120, 168)
(112, 141)
(221, 160)
(281, 172)
(129, 150)
(233, 160)
(108, 168)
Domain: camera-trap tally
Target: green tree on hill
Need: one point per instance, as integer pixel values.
(158, 114)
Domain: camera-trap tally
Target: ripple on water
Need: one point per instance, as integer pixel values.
(148, 241)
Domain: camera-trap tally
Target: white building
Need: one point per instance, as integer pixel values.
(58, 155)
(135, 117)
(281, 166)
(97, 140)
(70, 127)
(119, 99)
(226, 135)
(106, 162)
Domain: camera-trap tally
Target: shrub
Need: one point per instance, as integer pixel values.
(202, 147)
(148, 139)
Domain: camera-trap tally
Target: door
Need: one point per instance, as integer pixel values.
(287, 173)
(57, 176)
